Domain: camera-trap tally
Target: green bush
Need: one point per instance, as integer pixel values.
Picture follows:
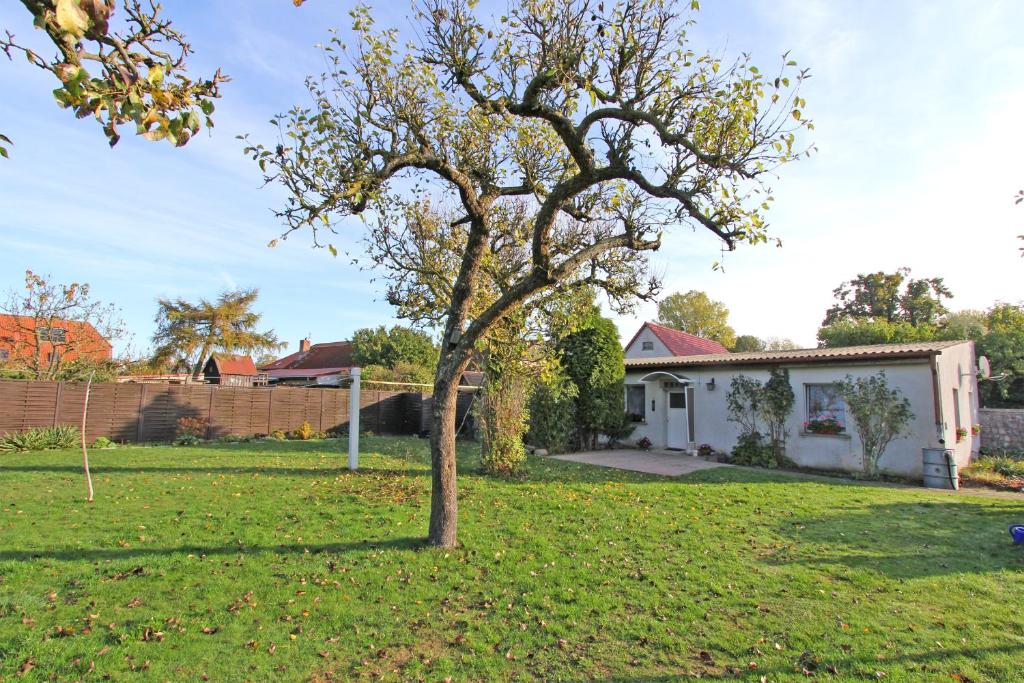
(103, 442)
(552, 407)
(752, 450)
(503, 416)
(40, 439)
(187, 440)
(592, 357)
(1004, 464)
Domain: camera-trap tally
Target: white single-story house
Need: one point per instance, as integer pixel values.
(678, 401)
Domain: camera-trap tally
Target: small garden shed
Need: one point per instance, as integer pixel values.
(232, 371)
(679, 402)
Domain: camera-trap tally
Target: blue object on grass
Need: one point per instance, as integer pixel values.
(1017, 531)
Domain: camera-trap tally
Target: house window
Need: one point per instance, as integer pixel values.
(5, 354)
(53, 334)
(677, 399)
(635, 397)
(826, 412)
(956, 412)
(648, 346)
(53, 357)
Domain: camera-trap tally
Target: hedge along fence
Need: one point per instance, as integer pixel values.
(150, 412)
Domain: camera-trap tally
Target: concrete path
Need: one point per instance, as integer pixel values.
(665, 464)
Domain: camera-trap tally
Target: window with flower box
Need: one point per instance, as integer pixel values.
(826, 411)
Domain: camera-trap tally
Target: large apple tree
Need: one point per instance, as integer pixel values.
(597, 116)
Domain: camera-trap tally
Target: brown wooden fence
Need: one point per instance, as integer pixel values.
(149, 412)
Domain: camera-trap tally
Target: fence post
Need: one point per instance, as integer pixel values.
(56, 403)
(209, 416)
(140, 424)
(353, 421)
(270, 412)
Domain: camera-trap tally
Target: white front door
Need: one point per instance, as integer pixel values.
(677, 436)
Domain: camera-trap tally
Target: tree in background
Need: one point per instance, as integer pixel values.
(59, 331)
(695, 312)
(390, 348)
(965, 324)
(411, 374)
(136, 76)
(1003, 344)
(884, 308)
(855, 332)
(557, 107)
(879, 413)
(188, 333)
(593, 360)
(779, 344)
(748, 342)
(889, 297)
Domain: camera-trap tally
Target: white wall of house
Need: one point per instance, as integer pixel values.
(830, 452)
(646, 337)
(957, 370)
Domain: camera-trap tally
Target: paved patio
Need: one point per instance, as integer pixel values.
(651, 462)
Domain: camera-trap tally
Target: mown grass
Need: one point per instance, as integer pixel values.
(271, 561)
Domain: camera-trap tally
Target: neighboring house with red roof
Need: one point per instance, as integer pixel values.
(231, 371)
(657, 341)
(327, 364)
(46, 344)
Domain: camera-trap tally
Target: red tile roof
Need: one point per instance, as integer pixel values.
(320, 359)
(680, 343)
(234, 365)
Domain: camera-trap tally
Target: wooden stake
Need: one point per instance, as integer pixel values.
(85, 449)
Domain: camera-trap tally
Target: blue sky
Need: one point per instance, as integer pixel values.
(917, 106)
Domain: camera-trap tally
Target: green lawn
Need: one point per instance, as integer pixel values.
(271, 560)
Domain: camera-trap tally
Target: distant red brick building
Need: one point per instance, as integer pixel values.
(28, 341)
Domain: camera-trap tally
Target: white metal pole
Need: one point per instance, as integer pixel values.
(353, 421)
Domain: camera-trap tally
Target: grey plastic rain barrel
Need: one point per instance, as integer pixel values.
(939, 468)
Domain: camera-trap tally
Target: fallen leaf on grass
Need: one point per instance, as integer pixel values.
(149, 635)
(26, 666)
(119, 576)
(134, 602)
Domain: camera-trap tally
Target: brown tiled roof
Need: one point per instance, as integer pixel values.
(234, 365)
(866, 352)
(680, 343)
(327, 356)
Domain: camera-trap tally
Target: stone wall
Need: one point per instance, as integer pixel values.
(1002, 428)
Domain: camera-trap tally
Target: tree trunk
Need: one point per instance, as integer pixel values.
(197, 369)
(444, 505)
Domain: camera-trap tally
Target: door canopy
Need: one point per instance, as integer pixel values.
(662, 375)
